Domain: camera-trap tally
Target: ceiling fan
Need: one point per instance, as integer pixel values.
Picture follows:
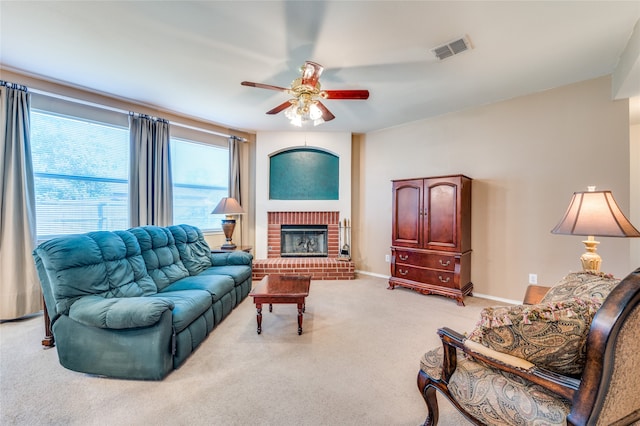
(305, 90)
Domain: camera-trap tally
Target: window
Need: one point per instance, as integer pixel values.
(80, 159)
(81, 174)
(200, 179)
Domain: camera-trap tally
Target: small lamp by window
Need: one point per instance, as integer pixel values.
(594, 213)
(229, 207)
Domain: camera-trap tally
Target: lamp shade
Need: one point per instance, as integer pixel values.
(595, 213)
(228, 206)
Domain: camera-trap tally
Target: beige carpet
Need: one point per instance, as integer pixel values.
(355, 364)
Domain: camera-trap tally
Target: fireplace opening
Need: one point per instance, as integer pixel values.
(303, 241)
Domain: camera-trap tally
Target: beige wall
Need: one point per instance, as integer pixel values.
(526, 156)
(634, 150)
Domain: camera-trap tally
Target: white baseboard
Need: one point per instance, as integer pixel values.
(498, 299)
(480, 295)
(373, 274)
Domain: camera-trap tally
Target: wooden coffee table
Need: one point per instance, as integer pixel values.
(281, 289)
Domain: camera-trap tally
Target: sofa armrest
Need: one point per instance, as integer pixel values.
(119, 313)
(231, 258)
(562, 385)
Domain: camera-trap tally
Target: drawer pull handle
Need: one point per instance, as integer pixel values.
(401, 272)
(405, 257)
(443, 280)
(445, 264)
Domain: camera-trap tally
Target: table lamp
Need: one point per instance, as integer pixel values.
(229, 207)
(594, 213)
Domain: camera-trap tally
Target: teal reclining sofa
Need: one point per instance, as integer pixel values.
(135, 304)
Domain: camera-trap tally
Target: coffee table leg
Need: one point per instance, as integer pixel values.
(259, 317)
(300, 310)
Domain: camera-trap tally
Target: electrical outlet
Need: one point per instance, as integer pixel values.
(533, 278)
(387, 258)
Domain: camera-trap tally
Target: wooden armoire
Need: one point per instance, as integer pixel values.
(431, 236)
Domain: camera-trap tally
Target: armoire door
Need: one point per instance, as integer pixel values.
(441, 204)
(407, 213)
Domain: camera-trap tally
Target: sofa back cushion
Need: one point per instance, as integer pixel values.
(160, 254)
(194, 250)
(106, 264)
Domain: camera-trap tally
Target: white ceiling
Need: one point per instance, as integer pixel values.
(190, 57)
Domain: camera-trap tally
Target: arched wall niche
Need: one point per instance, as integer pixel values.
(304, 173)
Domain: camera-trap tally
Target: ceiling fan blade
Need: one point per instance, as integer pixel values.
(264, 86)
(311, 73)
(347, 94)
(280, 107)
(326, 114)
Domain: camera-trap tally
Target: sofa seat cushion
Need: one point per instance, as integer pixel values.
(239, 273)
(119, 313)
(160, 255)
(550, 335)
(194, 250)
(497, 398)
(216, 285)
(582, 285)
(188, 306)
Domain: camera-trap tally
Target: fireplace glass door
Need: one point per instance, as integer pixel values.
(303, 241)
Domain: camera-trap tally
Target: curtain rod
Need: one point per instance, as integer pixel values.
(122, 111)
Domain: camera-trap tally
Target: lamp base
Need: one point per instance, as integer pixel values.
(591, 260)
(228, 225)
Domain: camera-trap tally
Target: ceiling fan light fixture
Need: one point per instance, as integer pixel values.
(302, 110)
(297, 121)
(314, 112)
(305, 104)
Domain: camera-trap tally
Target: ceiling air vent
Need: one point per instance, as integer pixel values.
(452, 48)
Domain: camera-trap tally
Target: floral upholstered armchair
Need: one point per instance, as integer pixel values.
(572, 357)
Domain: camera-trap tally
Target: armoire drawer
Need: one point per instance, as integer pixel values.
(428, 276)
(428, 260)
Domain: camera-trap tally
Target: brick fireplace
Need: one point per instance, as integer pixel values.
(274, 210)
(331, 267)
